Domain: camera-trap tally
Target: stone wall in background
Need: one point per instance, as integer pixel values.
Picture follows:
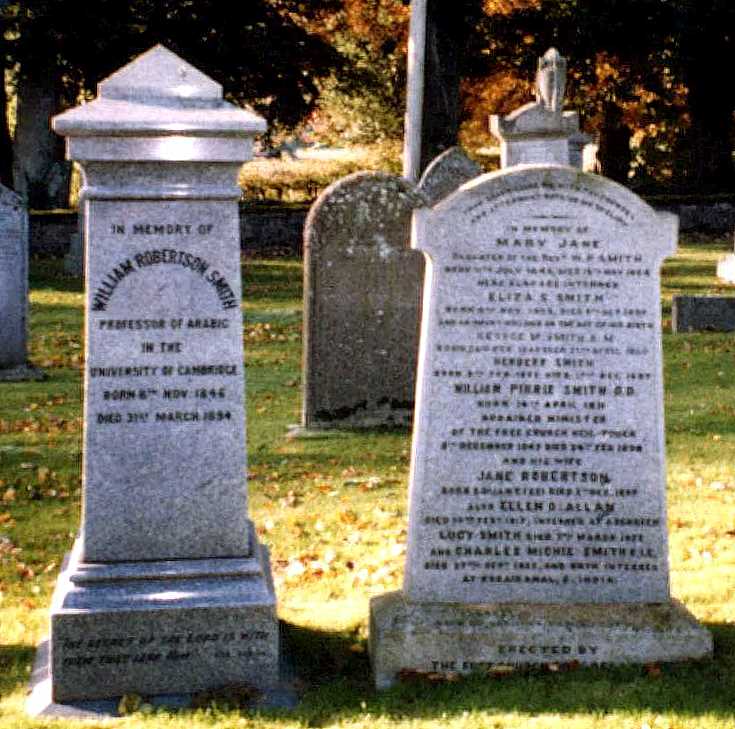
(282, 227)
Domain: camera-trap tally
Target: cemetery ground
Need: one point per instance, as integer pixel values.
(332, 509)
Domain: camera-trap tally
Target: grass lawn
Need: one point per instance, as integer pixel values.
(333, 511)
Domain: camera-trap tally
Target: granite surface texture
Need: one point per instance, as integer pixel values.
(538, 454)
(167, 590)
(702, 314)
(463, 639)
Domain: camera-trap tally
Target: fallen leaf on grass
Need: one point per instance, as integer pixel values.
(24, 571)
(499, 670)
(290, 499)
(348, 516)
(238, 696)
(129, 704)
(410, 675)
(7, 547)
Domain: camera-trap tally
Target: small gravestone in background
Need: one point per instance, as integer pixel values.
(447, 173)
(74, 259)
(167, 588)
(702, 314)
(726, 268)
(362, 296)
(579, 143)
(537, 520)
(14, 365)
(541, 131)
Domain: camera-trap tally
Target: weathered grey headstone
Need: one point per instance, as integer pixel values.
(167, 588)
(702, 314)
(362, 296)
(361, 304)
(541, 131)
(447, 173)
(537, 487)
(14, 290)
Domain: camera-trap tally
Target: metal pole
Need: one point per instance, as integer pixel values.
(414, 91)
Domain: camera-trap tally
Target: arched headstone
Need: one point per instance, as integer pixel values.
(362, 295)
(14, 365)
(537, 519)
(361, 304)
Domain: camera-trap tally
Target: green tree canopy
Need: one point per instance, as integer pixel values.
(259, 50)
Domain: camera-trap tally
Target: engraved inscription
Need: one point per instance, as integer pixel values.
(541, 374)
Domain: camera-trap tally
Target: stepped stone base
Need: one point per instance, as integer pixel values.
(451, 638)
(163, 627)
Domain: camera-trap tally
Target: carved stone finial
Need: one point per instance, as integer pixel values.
(551, 80)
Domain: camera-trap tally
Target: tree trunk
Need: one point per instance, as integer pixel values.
(707, 149)
(445, 40)
(41, 175)
(614, 155)
(6, 143)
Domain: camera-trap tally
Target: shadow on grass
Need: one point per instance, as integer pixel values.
(340, 685)
(46, 314)
(15, 662)
(333, 672)
(50, 275)
(279, 282)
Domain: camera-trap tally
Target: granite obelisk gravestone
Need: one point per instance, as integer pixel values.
(167, 588)
(14, 290)
(537, 521)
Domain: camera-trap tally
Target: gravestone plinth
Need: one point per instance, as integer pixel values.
(14, 365)
(537, 519)
(167, 589)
